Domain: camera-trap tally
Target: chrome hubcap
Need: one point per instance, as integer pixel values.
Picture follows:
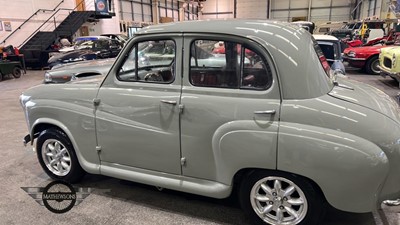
(375, 67)
(279, 201)
(56, 157)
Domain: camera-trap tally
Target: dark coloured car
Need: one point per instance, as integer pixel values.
(122, 38)
(87, 49)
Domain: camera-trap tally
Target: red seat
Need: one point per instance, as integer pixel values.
(203, 79)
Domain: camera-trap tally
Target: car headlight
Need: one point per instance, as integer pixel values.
(351, 54)
(47, 77)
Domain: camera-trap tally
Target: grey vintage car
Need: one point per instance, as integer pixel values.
(269, 122)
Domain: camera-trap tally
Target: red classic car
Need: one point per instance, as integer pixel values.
(366, 57)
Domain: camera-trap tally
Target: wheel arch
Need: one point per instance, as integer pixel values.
(46, 123)
(338, 162)
(241, 174)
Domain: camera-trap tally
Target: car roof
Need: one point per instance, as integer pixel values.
(218, 26)
(90, 38)
(289, 45)
(323, 37)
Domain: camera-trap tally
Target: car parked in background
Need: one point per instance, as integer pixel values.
(64, 72)
(122, 38)
(327, 27)
(367, 57)
(275, 126)
(331, 47)
(389, 62)
(307, 25)
(364, 57)
(86, 48)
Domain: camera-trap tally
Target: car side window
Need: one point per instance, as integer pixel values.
(225, 64)
(150, 61)
(101, 44)
(115, 44)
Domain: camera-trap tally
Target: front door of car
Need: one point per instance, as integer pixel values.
(231, 106)
(137, 118)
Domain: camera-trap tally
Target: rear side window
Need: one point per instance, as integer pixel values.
(225, 64)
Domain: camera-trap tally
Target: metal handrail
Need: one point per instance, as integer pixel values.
(34, 14)
(54, 13)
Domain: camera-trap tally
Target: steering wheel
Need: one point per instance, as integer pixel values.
(156, 77)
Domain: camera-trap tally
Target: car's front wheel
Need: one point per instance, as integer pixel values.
(372, 65)
(275, 198)
(57, 156)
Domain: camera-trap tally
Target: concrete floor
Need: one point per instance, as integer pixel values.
(114, 201)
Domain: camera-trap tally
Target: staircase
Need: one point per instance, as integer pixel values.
(62, 22)
(37, 47)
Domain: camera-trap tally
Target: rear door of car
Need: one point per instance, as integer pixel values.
(231, 106)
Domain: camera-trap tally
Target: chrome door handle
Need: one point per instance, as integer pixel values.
(169, 102)
(270, 112)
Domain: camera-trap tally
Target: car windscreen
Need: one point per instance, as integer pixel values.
(84, 44)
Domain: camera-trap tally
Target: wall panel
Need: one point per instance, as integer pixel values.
(252, 9)
(321, 10)
(217, 9)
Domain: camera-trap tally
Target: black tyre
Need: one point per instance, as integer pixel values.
(17, 72)
(371, 66)
(57, 156)
(270, 197)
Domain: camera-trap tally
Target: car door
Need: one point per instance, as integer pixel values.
(231, 107)
(137, 118)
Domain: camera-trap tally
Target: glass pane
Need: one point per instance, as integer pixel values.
(214, 64)
(256, 73)
(156, 61)
(127, 71)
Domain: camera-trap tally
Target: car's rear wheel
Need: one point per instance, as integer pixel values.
(57, 156)
(371, 67)
(280, 198)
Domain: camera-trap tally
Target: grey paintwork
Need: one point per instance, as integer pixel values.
(345, 138)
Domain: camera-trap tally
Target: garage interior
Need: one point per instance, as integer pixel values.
(31, 27)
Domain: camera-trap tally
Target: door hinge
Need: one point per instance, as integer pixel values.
(98, 149)
(183, 161)
(181, 107)
(96, 102)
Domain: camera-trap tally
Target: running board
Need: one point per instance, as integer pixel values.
(170, 181)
